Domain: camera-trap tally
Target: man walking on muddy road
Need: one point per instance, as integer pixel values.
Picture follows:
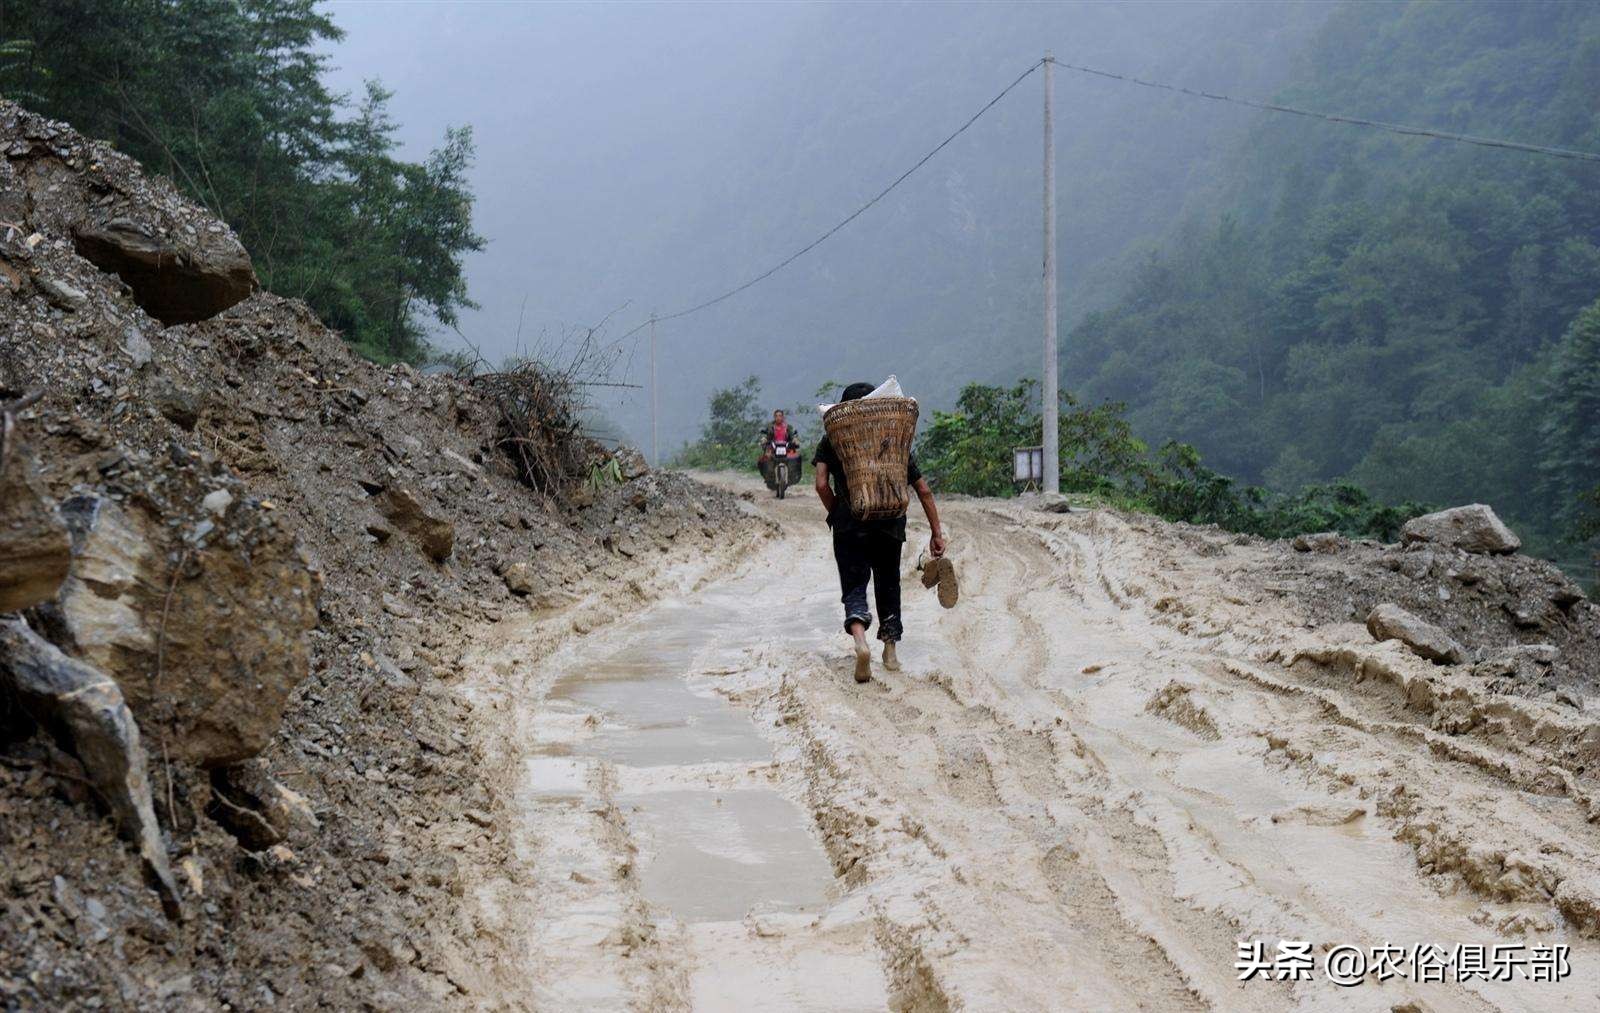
(870, 549)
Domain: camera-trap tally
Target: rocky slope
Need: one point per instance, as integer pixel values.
(262, 560)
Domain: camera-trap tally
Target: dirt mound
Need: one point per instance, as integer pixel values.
(278, 554)
(1493, 605)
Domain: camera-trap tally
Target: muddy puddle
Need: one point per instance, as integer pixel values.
(649, 798)
(714, 853)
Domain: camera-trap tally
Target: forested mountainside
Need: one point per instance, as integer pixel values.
(1418, 316)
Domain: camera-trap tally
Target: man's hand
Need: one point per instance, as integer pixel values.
(925, 496)
(819, 473)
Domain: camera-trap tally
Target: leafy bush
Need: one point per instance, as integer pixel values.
(969, 451)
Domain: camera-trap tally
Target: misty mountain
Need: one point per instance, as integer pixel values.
(655, 157)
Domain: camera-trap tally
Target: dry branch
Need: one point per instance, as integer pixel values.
(541, 401)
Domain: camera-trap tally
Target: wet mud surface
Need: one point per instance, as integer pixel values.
(1110, 764)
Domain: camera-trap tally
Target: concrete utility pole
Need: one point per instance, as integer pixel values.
(1052, 431)
(655, 400)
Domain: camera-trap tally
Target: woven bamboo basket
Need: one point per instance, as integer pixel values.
(872, 437)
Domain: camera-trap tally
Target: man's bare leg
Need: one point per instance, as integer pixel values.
(863, 652)
(891, 661)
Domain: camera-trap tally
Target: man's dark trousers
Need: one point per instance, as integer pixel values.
(862, 553)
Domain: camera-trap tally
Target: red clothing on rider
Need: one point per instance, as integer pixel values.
(780, 433)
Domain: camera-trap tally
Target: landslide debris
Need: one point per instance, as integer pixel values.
(1471, 528)
(1391, 622)
(1520, 622)
(34, 550)
(88, 708)
(272, 556)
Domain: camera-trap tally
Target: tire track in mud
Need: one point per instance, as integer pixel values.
(1493, 873)
(975, 790)
(1080, 881)
(1459, 798)
(1160, 816)
(996, 792)
(1094, 776)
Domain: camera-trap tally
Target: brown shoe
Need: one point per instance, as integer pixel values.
(943, 573)
(863, 663)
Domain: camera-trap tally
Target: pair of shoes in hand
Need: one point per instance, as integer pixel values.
(941, 573)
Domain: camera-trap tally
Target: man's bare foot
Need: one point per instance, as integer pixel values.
(863, 662)
(891, 663)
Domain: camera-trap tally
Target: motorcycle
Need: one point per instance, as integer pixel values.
(784, 471)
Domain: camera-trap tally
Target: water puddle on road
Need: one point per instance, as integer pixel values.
(721, 855)
(743, 899)
(710, 853)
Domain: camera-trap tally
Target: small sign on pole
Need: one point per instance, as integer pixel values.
(1027, 466)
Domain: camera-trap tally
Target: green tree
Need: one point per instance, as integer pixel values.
(227, 98)
(969, 449)
(1354, 310)
(1589, 518)
(731, 436)
(411, 223)
(1569, 463)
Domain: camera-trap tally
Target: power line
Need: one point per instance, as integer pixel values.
(763, 276)
(1397, 128)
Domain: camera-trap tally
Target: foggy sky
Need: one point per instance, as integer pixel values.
(639, 157)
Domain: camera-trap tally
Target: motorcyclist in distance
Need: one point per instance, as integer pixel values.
(780, 433)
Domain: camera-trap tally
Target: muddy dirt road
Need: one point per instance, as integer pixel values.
(1104, 769)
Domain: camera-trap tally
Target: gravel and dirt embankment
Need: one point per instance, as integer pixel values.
(243, 575)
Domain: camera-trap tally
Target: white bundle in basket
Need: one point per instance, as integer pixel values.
(888, 388)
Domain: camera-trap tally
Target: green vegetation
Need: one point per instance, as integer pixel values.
(226, 98)
(731, 435)
(1414, 317)
(969, 451)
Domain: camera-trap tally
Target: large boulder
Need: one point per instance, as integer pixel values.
(87, 709)
(175, 282)
(522, 579)
(1391, 622)
(180, 263)
(631, 463)
(200, 619)
(1472, 528)
(34, 549)
(1326, 542)
(435, 535)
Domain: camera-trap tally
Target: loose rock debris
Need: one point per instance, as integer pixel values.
(271, 556)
